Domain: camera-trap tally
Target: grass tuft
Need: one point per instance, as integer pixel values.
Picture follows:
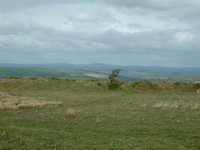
(70, 113)
(198, 91)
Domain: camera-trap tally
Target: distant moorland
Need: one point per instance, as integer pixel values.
(100, 71)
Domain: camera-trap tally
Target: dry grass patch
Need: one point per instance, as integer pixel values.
(96, 75)
(8, 102)
(70, 113)
(178, 105)
(198, 91)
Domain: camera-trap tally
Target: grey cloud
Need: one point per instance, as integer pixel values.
(162, 33)
(17, 27)
(110, 44)
(136, 25)
(155, 4)
(148, 4)
(160, 43)
(155, 42)
(10, 5)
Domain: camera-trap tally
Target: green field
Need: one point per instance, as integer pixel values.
(138, 115)
(47, 72)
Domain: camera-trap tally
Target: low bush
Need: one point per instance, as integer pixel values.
(145, 86)
(13, 77)
(196, 86)
(114, 84)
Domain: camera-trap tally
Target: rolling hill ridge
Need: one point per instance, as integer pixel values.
(100, 71)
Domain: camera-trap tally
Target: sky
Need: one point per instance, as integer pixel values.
(120, 32)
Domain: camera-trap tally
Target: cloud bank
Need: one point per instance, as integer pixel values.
(122, 32)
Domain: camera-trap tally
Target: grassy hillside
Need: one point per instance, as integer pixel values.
(138, 115)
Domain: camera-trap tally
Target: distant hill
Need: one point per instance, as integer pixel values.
(100, 71)
(93, 67)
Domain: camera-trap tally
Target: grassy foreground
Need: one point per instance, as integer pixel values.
(138, 115)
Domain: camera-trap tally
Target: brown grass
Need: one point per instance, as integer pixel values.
(70, 113)
(198, 91)
(178, 105)
(8, 102)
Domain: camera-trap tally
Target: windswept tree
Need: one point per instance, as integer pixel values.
(114, 74)
(112, 82)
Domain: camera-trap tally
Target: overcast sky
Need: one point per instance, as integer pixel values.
(121, 32)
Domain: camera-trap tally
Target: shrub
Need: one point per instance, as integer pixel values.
(33, 78)
(196, 86)
(145, 86)
(177, 84)
(13, 77)
(114, 85)
(99, 84)
(53, 78)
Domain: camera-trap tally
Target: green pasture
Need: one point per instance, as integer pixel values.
(137, 115)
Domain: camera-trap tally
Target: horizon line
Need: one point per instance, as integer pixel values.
(64, 63)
